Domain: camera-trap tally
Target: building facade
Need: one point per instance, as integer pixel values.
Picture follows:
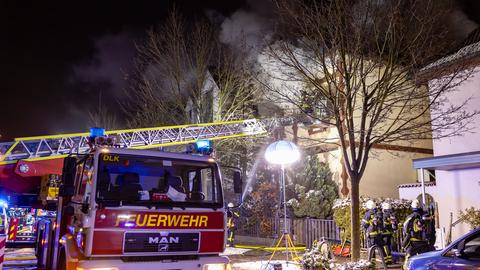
(456, 161)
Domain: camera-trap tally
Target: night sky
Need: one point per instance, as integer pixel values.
(57, 58)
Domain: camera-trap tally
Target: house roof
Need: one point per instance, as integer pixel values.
(467, 49)
(467, 160)
(409, 185)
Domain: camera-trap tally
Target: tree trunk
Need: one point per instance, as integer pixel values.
(355, 222)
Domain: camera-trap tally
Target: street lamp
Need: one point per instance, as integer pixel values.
(283, 153)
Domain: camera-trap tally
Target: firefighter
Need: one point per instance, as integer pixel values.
(373, 225)
(414, 238)
(389, 227)
(231, 215)
(2, 226)
(29, 221)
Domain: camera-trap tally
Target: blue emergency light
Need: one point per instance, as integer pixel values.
(204, 147)
(97, 132)
(3, 203)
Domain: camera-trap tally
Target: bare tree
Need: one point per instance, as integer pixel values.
(102, 117)
(185, 75)
(360, 64)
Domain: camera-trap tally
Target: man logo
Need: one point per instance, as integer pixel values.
(163, 247)
(163, 240)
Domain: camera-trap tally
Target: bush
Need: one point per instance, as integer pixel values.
(471, 216)
(315, 191)
(341, 211)
(358, 265)
(262, 204)
(315, 259)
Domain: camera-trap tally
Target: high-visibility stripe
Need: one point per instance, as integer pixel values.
(25, 258)
(3, 242)
(127, 130)
(58, 146)
(270, 248)
(2, 157)
(187, 142)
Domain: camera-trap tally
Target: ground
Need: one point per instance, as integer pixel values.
(23, 258)
(241, 259)
(250, 259)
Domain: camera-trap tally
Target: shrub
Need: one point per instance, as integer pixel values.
(262, 203)
(315, 191)
(471, 216)
(316, 259)
(358, 265)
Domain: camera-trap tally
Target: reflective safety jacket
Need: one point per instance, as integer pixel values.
(373, 222)
(231, 215)
(413, 229)
(389, 222)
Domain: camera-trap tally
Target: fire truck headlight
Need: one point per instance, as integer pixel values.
(216, 266)
(23, 168)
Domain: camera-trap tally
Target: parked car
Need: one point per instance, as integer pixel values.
(463, 253)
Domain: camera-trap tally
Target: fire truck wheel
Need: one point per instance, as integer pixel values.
(61, 264)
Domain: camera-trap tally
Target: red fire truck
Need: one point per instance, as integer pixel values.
(121, 208)
(128, 209)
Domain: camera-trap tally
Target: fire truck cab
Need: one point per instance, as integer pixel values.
(136, 209)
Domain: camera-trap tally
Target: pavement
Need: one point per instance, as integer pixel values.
(241, 259)
(22, 258)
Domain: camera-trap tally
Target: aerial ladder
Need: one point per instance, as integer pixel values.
(57, 146)
(24, 160)
(27, 161)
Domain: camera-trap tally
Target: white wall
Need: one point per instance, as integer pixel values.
(412, 193)
(470, 141)
(459, 189)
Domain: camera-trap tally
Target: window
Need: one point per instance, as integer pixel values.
(84, 175)
(472, 248)
(83, 178)
(201, 181)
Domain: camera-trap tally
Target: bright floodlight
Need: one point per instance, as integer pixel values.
(282, 153)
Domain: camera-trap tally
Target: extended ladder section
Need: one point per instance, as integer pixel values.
(57, 146)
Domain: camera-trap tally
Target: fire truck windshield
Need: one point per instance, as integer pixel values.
(144, 180)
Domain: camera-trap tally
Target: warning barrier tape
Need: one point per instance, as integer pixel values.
(270, 248)
(29, 258)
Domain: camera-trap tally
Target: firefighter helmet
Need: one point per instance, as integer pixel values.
(370, 204)
(386, 206)
(415, 204)
(230, 205)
